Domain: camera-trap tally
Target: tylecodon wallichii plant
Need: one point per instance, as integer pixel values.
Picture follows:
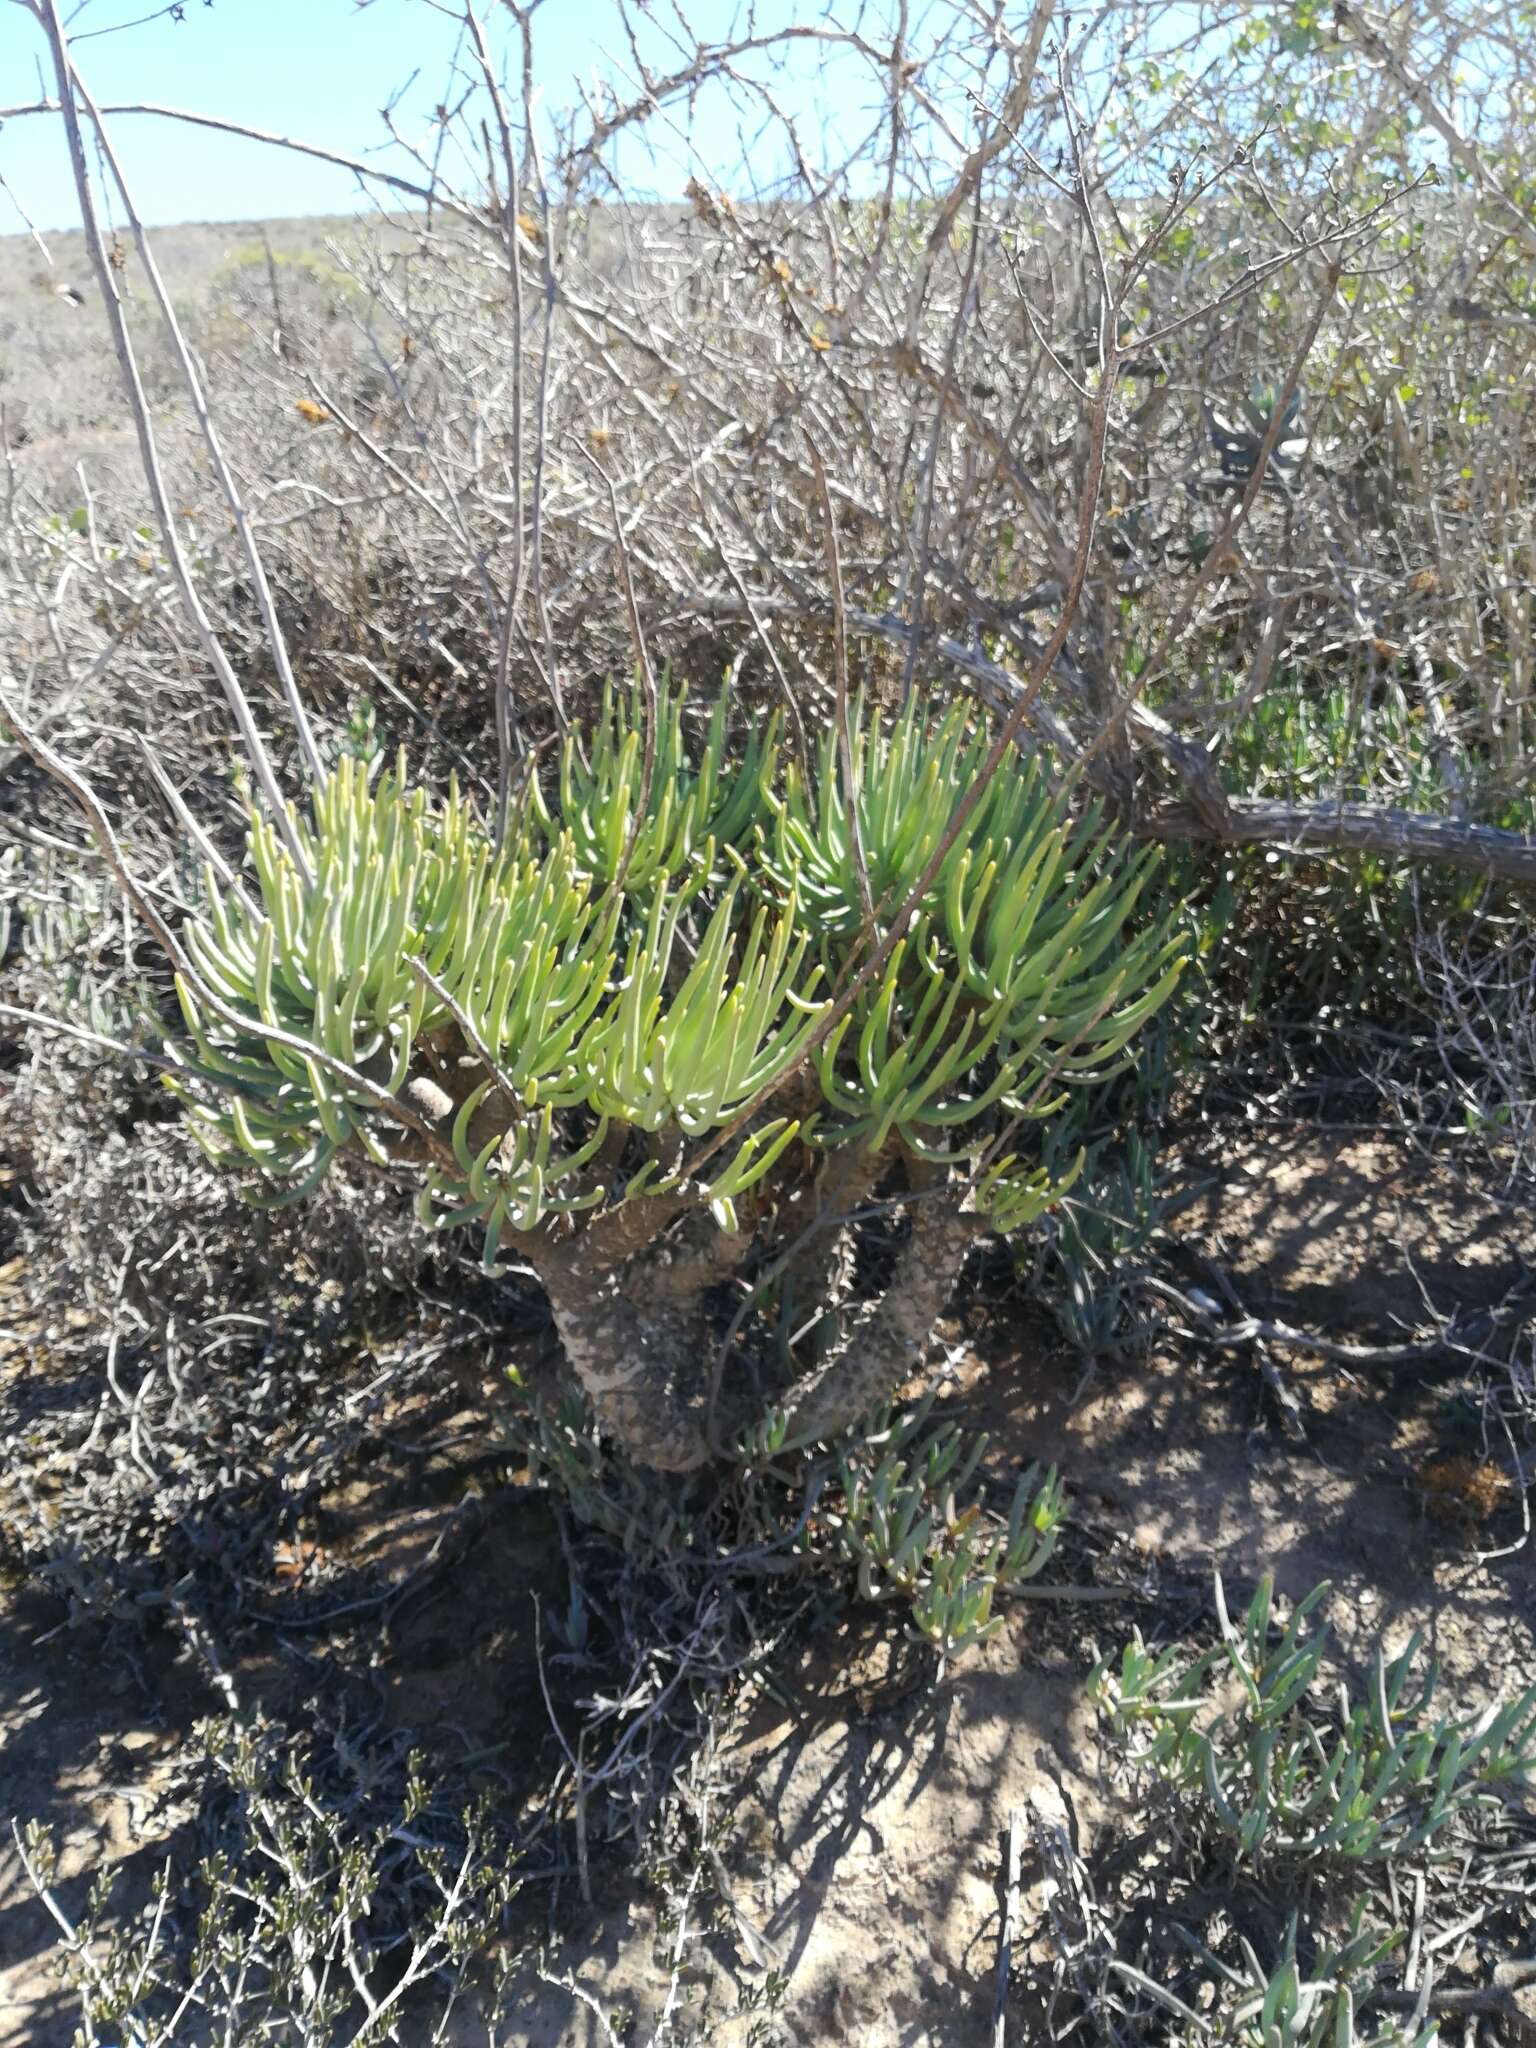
(652, 1044)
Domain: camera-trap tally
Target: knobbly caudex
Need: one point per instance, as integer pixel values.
(649, 1046)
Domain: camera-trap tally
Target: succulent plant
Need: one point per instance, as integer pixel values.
(1382, 1778)
(629, 1038)
(1290, 2004)
(901, 1516)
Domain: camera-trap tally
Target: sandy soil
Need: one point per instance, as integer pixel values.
(867, 1817)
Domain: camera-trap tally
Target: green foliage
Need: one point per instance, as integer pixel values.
(360, 735)
(1098, 1241)
(895, 1508)
(1303, 939)
(1091, 1249)
(1277, 1776)
(66, 929)
(697, 797)
(1026, 961)
(397, 888)
(901, 1517)
(663, 968)
(1290, 2008)
(1291, 2005)
(1362, 738)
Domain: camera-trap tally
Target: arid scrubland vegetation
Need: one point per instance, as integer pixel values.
(770, 1057)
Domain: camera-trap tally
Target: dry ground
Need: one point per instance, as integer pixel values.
(866, 1813)
(59, 382)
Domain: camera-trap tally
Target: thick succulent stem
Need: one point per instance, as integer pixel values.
(696, 1256)
(634, 1322)
(888, 1342)
(639, 1366)
(817, 1276)
(633, 1316)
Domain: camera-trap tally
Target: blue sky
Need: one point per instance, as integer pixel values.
(317, 69)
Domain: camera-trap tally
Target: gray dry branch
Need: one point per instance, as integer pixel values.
(937, 346)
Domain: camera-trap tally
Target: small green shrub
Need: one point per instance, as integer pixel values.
(1379, 1780)
(1289, 2005)
(895, 1508)
(899, 1513)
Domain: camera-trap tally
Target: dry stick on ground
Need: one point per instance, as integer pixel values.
(1248, 1330)
(1501, 1998)
(1009, 1929)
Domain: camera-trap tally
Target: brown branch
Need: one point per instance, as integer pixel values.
(1355, 828)
(1239, 821)
(851, 790)
(138, 403)
(1013, 110)
(505, 709)
(1234, 520)
(1500, 1997)
(429, 195)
